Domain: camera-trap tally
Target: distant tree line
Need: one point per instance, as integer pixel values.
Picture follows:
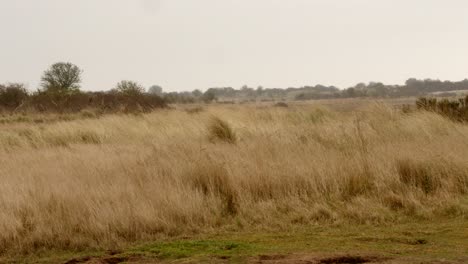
(412, 87)
(60, 92)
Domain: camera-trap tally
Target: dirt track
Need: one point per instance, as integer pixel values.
(274, 259)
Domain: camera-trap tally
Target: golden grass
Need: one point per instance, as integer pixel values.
(220, 130)
(107, 182)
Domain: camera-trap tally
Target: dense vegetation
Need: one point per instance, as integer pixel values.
(14, 98)
(453, 109)
(107, 182)
(412, 87)
(60, 92)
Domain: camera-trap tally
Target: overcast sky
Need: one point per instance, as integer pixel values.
(197, 44)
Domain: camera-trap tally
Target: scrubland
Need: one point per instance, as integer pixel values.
(109, 181)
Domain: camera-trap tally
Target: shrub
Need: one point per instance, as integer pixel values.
(130, 88)
(51, 101)
(429, 104)
(100, 102)
(220, 130)
(455, 109)
(12, 95)
(119, 102)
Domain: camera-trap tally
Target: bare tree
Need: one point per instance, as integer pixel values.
(62, 77)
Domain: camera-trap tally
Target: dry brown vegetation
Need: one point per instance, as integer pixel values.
(454, 109)
(15, 99)
(109, 181)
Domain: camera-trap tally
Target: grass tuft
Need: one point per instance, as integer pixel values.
(220, 130)
(213, 179)
(419, 175)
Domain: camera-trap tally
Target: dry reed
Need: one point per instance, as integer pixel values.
(103, 183)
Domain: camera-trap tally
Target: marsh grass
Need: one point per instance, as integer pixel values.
(220, 130)
(454, 109)
(213, 179)
(103, 183)
(419, 175)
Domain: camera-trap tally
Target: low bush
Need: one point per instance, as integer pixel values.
(12, 96)
(453, 109)
(60, 93)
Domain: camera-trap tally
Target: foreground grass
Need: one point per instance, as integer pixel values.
(109, 182)
(421, 242)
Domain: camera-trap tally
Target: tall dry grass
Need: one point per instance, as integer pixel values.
(103, 183)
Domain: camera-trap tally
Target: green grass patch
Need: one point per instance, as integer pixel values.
(195, 249)
(419, 241)
(425, 241)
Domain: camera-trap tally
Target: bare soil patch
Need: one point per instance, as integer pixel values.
(345, 259)
(98, 260)
(314, 259)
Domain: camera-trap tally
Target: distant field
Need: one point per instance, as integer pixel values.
(455, 92)
(352, 105)
(235, 175)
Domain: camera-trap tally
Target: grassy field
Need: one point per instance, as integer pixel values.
(403, 243)
(235, 183)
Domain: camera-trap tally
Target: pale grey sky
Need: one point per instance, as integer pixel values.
(197, 44)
